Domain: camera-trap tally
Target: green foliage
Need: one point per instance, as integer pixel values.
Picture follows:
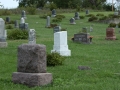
(9, 27)
(52, 6)
(82, 17)
(90, 15)
(5, 12)
(93, 18)
(31, 10)
(11, 22)
(60, 16)
(108, 7)
(56, 20)
(118, 25)
(54, 59)
(112, 25)
(103, 18)
(100, 14)
(17, 34)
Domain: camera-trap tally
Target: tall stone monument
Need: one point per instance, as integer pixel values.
(32, 36)
(31, 66)
(3, 34)
(60, 44)
(48, 21)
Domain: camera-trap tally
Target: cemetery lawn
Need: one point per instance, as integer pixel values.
(101, 56)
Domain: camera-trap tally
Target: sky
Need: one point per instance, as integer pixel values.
(13, 4)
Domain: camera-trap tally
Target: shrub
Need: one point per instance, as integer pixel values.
(82, 17)
(53, 25)
(112, 25)
(60, 16)
(103, 18)
(5, 12)
(31, 10)
(100, 14)
(93, 18)
(57, 20)
(17, 34)
(90, 15)
(54, 59)
(9, 27)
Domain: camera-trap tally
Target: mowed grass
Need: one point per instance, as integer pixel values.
(101, 56)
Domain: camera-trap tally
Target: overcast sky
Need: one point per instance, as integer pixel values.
(13, 4)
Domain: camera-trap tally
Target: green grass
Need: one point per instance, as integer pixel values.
(102, 56)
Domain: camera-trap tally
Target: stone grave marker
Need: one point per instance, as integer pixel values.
(91, 28)
(72, 21)
(7, 19)
(87, 12)
(23, 14)
(16, 25)
(76, 17)
(48, 21)
(3, 34)
(53, 13)
(84, 30)
(56, 29)
(32, 36)
(31, 66)
(60, 44)
(23, 25)
(110, 34)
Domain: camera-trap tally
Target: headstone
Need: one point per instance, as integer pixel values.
(7, 19)
(31, 66)
(110, 34)
(23, 25)
(22, 20)
(91, 28)
(23, 14)
(57, 29)
(53, 13)
(3, 34)
(72, 21)
(16, 25)
(60, 44)
(76, 16)
(82, 38)
(87, 12)
(48, 21)
(32, 36)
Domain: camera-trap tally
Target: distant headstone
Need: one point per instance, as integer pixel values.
(3, 34)
(110, 34)
(23, 25)
(7, 19)
(16, 25)
(76, 16)
(60, 44)
(57, 29)
(23, 14)
(53, 13)
(48, 21)
(87, 12)
(32, 36)
(31, 66)
(91, 28)
(22, 20)
(72, 21)
(82, 38)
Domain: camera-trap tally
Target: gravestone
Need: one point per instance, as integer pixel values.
(53, 13)
(48, 21)
(82, 38)
(7, 19)
(31, 66)
(23, 14)
(91, 28)
(56, 29)
(76, 17)
(116, 13)
(84, 30)
(16, 25)
(32, 36)
(110, 34)
(87, 12)
(60, 44)
(72, 21)
(23, 25)
(3, 34)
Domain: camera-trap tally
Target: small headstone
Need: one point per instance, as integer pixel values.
(48, 21)
(22, 20)
(3, 34)
(84, 30)
(32, 36)
(84, 68)
(76, 16)
(23, 25)
(31, 66)
(16, 25)
(53, 13)
(57, 29)
(7, 19)
(23, 14)
(87, 12)
(110, 34)
(60, 44)
(91, 28)
(72, 21)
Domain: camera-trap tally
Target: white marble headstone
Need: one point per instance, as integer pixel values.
(32, 36)
(48, 21)
(22, 20)
(60, 43)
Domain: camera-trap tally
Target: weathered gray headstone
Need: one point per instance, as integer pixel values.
(72, 21)
(91, 28)
(16, 25)
(48, 21)
(23, 25)
(32, 36)
(3, 34)
(53, 13)
(23, 14)
(31, 67)
(57, 29)
(84, 30)
(76, 16)
(7, 19)
(87, 11)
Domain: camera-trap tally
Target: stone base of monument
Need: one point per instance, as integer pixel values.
(111, 38)
(3, 44)
(32, 79)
